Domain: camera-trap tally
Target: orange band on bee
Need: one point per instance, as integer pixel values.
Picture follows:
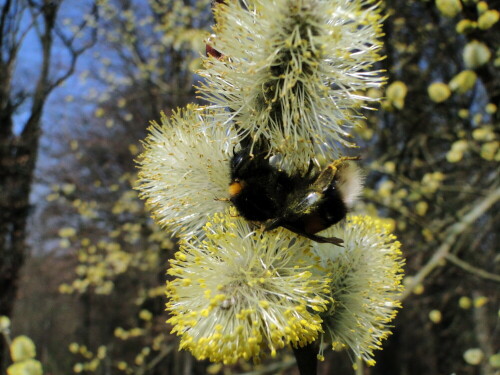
(235, 188)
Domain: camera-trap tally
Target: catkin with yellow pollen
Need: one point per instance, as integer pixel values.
(365, 285)
(184, 169)
(243, 294)
(294, 71)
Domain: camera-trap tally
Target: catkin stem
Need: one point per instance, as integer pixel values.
(306, 357)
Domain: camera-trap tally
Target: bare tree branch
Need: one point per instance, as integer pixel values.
(451, 236)
(471, 269)
(75, 52)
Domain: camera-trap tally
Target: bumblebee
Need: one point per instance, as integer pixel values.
(302, 203)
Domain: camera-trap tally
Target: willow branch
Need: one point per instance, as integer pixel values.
(152, 364)
(471, 269)
(452, 234)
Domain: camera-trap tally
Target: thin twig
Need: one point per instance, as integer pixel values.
(470, 268)
(452, 233)
(162, 354)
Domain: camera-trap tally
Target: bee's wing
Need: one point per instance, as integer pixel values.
(307, 202)
(324, 179)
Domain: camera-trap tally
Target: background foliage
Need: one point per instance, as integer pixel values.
(91, 295)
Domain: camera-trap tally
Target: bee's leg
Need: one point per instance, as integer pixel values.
(320, 239)
(272, 224)
(222, 199)
(315, 237)
(343, 159)
(310, 169)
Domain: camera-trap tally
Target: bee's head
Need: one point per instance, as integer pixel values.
(239, 162)
(241, 168)
(245, 164)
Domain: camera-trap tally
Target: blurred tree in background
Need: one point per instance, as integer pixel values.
(23, 95)
(91, 294)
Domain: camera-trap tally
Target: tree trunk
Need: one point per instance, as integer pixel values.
(18, 154)
(17, 163)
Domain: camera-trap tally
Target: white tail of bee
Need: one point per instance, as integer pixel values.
(350, 180)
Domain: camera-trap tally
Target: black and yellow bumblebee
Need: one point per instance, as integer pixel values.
(304, 203)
